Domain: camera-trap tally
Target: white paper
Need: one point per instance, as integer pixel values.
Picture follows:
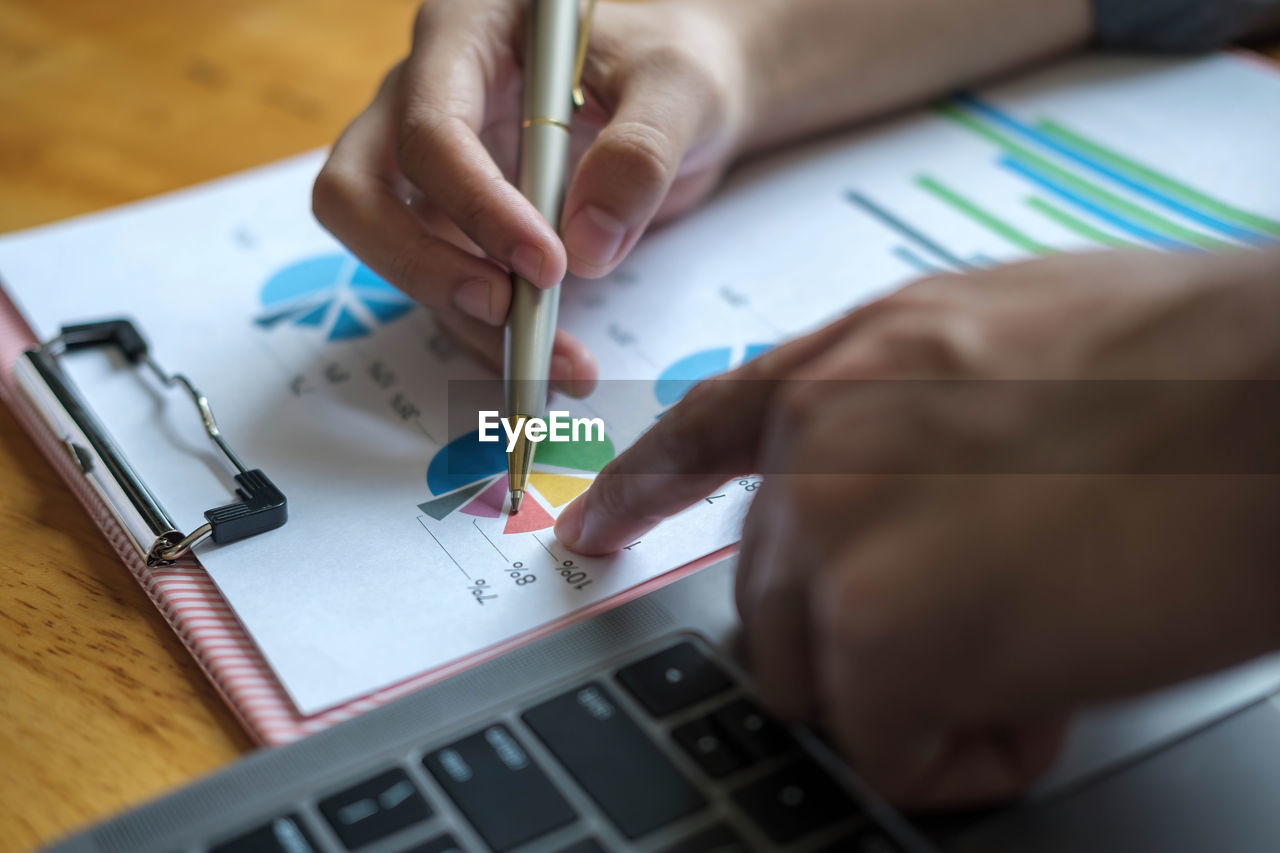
(361, 588)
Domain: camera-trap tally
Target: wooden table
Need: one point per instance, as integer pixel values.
(100, 706)
(102, 103)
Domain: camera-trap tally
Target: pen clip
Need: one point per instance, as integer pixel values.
(584, 34)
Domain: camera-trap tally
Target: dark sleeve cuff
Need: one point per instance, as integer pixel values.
(1179, 25)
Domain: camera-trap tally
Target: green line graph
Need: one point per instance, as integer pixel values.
(1078, 226)
(1090, 191)
(1081, 191)
(983, 217)
(1169, 185)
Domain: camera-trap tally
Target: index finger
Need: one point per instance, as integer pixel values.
(711, 435)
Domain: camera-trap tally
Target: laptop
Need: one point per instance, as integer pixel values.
(638, 729)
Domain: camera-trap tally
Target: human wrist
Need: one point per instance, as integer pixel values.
(812, 65)
(722, 31)
(753, 39)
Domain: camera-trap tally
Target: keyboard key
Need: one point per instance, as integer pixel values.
(613, 760)
(586, 845)
(794, 801)
(673, 679)
(493, 780)
(754, 732)
(717, 839)
(703, 740)
(443, 844)
(283, 835)
(375, 808)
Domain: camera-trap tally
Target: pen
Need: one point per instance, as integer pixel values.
(554, 56)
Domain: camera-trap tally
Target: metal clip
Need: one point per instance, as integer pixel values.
(584, 35)
(261, 507)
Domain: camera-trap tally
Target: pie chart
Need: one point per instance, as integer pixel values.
(470, 476)
(335, 294)
(674, 382)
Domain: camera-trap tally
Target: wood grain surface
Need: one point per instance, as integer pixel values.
(103, 103)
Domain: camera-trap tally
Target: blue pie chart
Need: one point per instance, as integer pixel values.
(335, 294)
(674, 382)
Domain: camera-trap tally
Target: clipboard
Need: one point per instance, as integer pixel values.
(181, 590)
(190, 601)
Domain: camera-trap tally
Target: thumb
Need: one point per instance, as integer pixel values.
(625, 175)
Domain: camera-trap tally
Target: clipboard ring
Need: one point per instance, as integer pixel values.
(260, 506)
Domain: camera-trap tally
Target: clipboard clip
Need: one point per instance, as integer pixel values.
(580, 60)
(260, 506)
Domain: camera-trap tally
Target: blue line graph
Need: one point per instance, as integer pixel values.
(1079, 156)
(916, 262)
(1123, 223)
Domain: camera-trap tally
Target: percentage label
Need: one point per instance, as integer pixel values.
(749, 485)
(382, 375)
(404, 408)
(482, 592)
(443, 346)
(299, 386)
(518, 574)
(573, 575)
(336, 373)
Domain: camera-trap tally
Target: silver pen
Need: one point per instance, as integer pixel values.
(554, 55)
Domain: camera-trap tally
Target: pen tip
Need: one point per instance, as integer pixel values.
(516, 497)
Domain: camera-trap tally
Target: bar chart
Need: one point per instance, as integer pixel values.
(1085, 190)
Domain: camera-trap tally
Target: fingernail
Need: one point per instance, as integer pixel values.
(473, 298)
(594, 236)
(527, 263)
(568, 527)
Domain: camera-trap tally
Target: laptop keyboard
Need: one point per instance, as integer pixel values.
(666, 753)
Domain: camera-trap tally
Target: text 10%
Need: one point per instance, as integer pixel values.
(573, 575)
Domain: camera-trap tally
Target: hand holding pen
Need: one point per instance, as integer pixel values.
(421, 185)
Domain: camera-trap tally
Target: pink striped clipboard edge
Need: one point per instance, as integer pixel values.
(190, 602)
